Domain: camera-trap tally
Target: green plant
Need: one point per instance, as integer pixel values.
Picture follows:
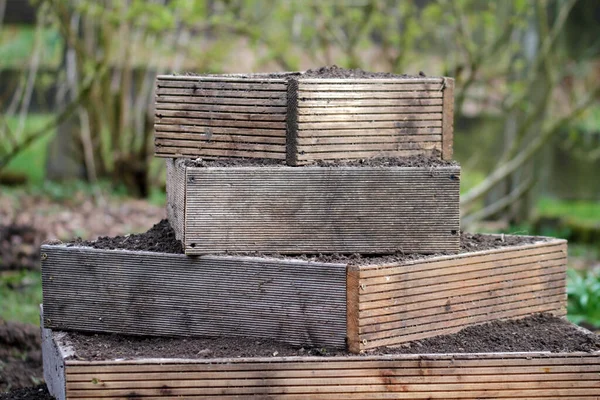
(583, 289)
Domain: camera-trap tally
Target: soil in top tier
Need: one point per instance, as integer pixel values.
(161, 238)
(325, 72)
(536, 333)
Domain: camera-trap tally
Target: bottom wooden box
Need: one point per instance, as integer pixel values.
(538, 375)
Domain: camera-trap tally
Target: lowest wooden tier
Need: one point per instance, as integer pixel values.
(517, 376)
(311, 210)
(380, 303)
(302, 119)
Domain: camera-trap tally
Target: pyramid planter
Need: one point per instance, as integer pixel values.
(288, 210)
(302, 120)
(380, 303)
(434, 376)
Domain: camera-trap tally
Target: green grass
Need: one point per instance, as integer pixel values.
(32, 161)
(581, 211)
(20, 296)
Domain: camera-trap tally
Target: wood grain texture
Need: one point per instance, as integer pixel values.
(239, 118)
(202, 116)
(321, 210)
(448, 120)
(53, 359)
(368, 118)
(517, 376)
(176, 196)
(146, 293)
(399, 303)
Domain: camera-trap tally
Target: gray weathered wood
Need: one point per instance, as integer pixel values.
(148, 293)
(320, 209)
(53, 359)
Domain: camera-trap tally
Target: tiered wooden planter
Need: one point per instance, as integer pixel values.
(290, 210)
(543, 376)
(296, 301)
(287, 116)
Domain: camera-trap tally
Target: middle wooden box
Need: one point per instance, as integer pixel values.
(351, 208)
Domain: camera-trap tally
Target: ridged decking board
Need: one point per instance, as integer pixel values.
(146, 293)
(313, 209)
(220, 116)
(301, 119)
(517, 376)
(298, 301)
(393, 304)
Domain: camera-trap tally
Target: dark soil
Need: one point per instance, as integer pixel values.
(325, 72)
(417, 161)
(336, 72)
(20, 355)
(160, 238)
(536, 333)
(39, 392)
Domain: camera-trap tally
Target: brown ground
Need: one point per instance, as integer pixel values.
(20, 355)
(536, 333)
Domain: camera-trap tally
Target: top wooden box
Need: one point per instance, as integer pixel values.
(302, 120)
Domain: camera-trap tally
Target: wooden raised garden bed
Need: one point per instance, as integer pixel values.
(339, 209)
(369, 303)
(288, 116)
(539, 375)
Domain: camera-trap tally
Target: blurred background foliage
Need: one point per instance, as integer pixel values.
(77, 87)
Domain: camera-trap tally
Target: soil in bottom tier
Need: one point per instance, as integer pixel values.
(537, 333)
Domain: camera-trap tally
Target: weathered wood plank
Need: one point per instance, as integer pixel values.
(222, 115)
(371, 87)
(439, 295)
(310, 157)
(321, 210)
(257, 109)
(361, 117)
(220, 101)
(169, 294)
(308, 104)
(246, 94)
(208, 131)
(370, 95)
(200, 85)
(209, 153)
(215, 137)
(398, 110)
(448, 119)
(239, 78)
(517, 376)
(374, 138)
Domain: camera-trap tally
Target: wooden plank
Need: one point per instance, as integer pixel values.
(257, 109)
(169, 294)
(246, 94)
(368, 95)
(223, 122)
(408, 109)
(209, 154)
(352, 316)
(377, 147)
(220, 101)
(448, 119)
(53, 359)
(370, 125)
(221, 115)
(241, 78)
(370, 87)
(368, 139)
(208, 131)
(226, 145)
(545, 245)
(361, 117)
(328, 210)
(371, 132)
(292, 150)
(213, 137)
(308, 104)
(200, 85)
(344, 81)
(309, 157)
